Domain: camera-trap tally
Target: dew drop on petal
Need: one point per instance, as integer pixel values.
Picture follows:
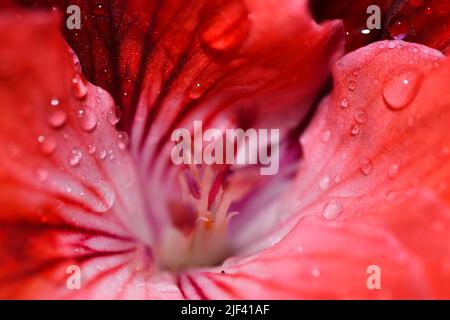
(196, 91)
(113, 115)
(365, 166)
(399, 27)
(47, 145)
(112, 156)
(400, 91)
(352, 85)
(75, 157)
(360, 116)
(332, 209)
(57, 118)
(102, 155)
(122, 140)
(344, 103)
(91, 149)
(356, 129)
(315, 272)
(105, 199)
(54, 102)
(393, 171)
(324, 183)
(79, 87)
(88, 120)
(99, 9)
(337, 178)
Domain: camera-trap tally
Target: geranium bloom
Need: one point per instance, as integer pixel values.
(87, 181)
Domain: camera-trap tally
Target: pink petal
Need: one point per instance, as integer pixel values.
(65, 179)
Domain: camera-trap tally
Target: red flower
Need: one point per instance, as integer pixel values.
(89, 189)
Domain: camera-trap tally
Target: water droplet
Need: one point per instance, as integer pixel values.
(88, 120)
(91, 149)
(102, 155)
(332, 209)
(106, 198)
(401, 90)
(325, 136)
(344, 103)
(356, 129)
(113, 115)
(79, 87)
(54, 102)
(315, 273)
(75, 157)
(352, 85)
(399, 28)
(428, 11)
(324, 183)
(366, 166)
(360, 116)
(47, 145)
(57, 118)
(122, 140)
(393, 171)
(196, 91)
(112, 156)
(337, 178)
(99, 9)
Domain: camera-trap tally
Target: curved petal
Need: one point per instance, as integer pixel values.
(372, 189)
(65, 176)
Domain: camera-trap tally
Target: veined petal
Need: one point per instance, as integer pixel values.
(372, 191)
(65, 176)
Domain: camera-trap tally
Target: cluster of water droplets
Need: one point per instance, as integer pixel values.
(397, 94)
(87, 119)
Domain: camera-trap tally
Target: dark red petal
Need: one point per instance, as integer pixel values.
(421, 21)
(354, 14)
(64, 180)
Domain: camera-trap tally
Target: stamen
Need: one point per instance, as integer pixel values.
(205, 245)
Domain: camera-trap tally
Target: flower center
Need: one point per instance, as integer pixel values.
(199, 241)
